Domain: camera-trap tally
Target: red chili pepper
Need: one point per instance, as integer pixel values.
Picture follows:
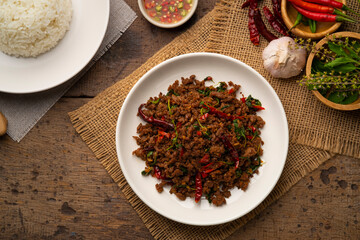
(234, 154)
(277, 11)
(157, 172)
(154, 121)
(258, 107)
(321, 17)
(179, 124)
(204, 175)
(231, 91)
(208, 78)
(254, 33)
(203, 117)
(198, 186)
(206, 166)
(198, 133)
(222, 114)
(273, 22)
(332, 3)
(205, 158)
(261, 26)
(318, 8)
(243, 99)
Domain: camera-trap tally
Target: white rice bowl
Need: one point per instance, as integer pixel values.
(29, 28)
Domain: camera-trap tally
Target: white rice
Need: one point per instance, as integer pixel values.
(31, 27)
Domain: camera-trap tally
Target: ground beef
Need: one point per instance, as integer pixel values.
(210, 143)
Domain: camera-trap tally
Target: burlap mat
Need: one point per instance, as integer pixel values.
(308, 120)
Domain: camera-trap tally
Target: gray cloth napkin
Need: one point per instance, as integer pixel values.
(24, 111)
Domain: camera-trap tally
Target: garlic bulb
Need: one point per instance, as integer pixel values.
(283, 59)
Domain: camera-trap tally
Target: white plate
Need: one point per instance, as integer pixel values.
(87, 29)
(274, 134)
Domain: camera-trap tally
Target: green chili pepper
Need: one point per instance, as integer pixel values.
(312, 24)
(299, 17)
(180, 5)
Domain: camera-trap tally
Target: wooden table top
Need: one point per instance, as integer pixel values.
(52, 186)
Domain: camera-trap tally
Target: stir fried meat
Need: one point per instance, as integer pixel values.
(200, 140)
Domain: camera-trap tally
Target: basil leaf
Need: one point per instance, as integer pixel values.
(345, 68)
(318, 66)
(339, 61)
(351, 97)
(337, 49)
(337, 97)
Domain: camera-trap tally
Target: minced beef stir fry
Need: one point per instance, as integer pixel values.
(202, 141)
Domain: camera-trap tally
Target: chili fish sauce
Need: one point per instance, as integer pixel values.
(167, 11)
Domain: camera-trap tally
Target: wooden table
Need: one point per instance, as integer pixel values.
(52, 186)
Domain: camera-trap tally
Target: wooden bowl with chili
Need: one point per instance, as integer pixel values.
(168, 13)
(344, 107)
(289, 14)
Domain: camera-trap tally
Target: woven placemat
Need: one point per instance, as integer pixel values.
(96, 122)
(310, 122)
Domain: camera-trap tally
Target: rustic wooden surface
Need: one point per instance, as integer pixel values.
(52, 186)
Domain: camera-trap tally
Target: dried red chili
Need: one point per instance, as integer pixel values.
(222, 114)
(261, 26)
(273, 22)
(277, 11)
(198, 186)
(233, 152)
(153, 121)
(254, 33)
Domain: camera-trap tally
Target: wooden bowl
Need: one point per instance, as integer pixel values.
(289, 15)
(348, 107)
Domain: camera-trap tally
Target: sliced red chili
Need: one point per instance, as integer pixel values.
(258, 107)
(243, 99)
(249, 137)
(203, 117)
(253, 129)
(182, 151)
(198, 186)
(198, 133)
(205, 158)
(233, 152)
(157, 172)
(231, 91)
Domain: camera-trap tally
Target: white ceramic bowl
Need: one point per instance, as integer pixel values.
(167, 25)
(274, 134)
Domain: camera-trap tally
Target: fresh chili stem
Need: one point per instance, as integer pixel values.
(153, 121)
(334, 4)
(198, 186)
(232, 150)
(297, 21)
(254, 33)
(321, 17)
(318, 8)
(312, 24)
(261, 26)
(273, 22)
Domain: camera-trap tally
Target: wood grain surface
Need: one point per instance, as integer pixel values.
(52, 186)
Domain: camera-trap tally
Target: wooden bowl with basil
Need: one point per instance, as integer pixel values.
(336, 81)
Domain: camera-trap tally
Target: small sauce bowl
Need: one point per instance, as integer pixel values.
(154, 9)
